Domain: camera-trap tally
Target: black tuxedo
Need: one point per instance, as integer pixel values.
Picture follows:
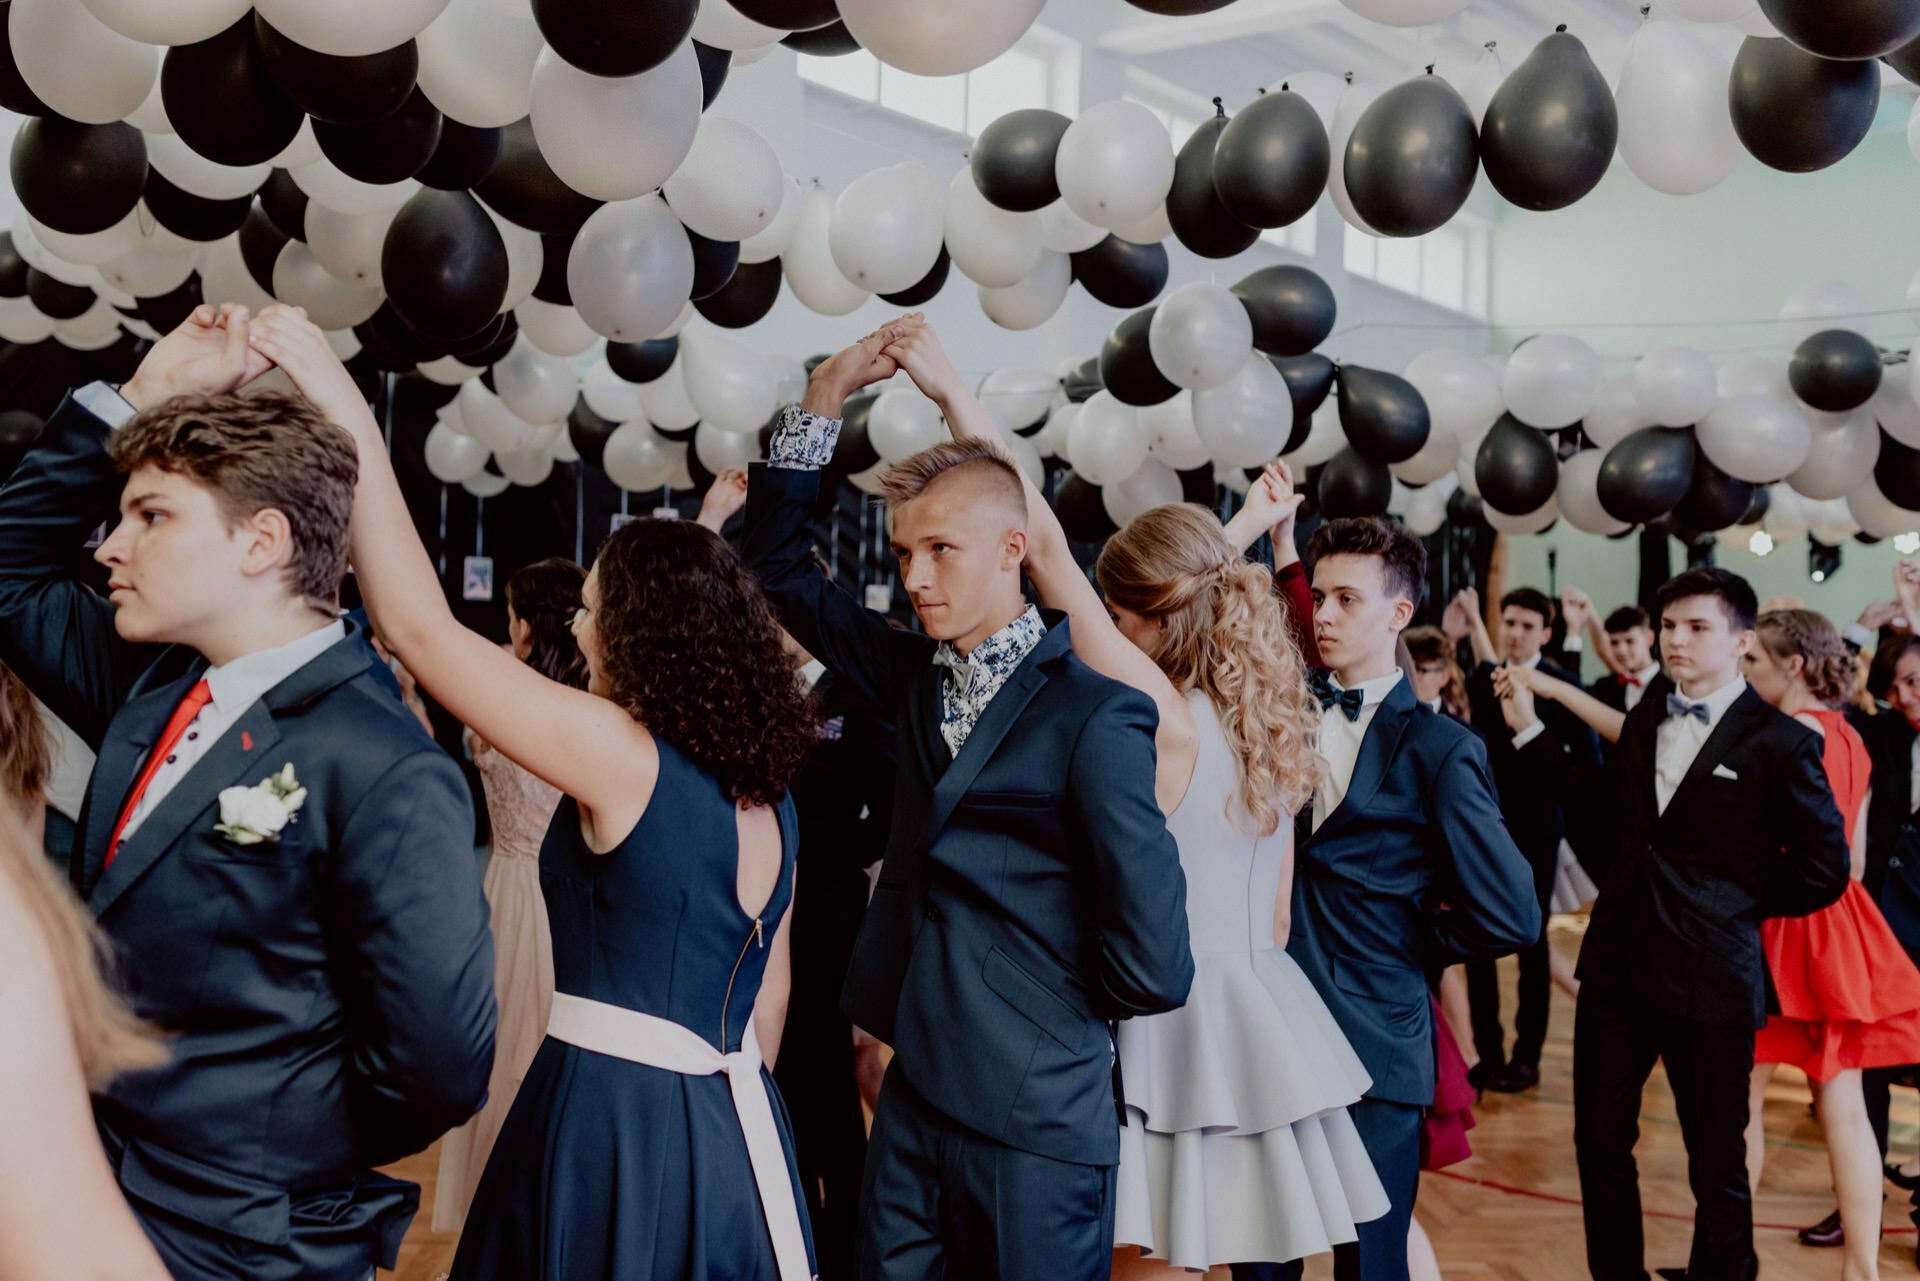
(1672, 966)
(1030, 893)
(1892, 875)
(329, 994)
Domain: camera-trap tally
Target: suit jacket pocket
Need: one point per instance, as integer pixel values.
(214, 1198)
(1033, 999)
(1388, 984)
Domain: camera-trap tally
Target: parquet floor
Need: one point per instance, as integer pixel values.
(1512, 1212)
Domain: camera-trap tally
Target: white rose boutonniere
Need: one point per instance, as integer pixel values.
(254, 815)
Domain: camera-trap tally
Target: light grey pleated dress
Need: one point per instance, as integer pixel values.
(1238, 1147)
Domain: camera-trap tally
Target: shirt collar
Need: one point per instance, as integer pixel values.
(1719, 701)
(1373, 691)
(994, 658)
(1528, 663)
(1434, 706)
(1647, 673)
(237, 684)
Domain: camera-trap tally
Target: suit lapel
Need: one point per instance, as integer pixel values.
(1382, 740)
(124, 750)
(923, 720)
(1733, 726)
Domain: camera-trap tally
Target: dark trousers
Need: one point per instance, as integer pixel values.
(1615, 1045)
(942, 1202)
(1536, 986)
(1877, 1084)
(1391, 1135)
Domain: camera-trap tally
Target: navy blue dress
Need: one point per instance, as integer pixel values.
(608, 1170)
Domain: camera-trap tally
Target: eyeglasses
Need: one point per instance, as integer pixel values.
(1430, 669)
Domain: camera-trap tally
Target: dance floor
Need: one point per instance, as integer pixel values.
(1512, 1212)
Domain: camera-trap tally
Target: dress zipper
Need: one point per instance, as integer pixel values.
(756, 937)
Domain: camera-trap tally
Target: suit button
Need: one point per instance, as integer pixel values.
(933, 913)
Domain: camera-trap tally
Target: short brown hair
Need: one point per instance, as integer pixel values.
(1403, 557)
(256, 452)
(911, 477)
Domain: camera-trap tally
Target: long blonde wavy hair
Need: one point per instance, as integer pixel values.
(1223, 633)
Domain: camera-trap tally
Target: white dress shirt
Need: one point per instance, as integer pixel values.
(1680, 738)
(72, 765)
(1340, 741)
(236, 686)
(1522, 737)
(1637, 692)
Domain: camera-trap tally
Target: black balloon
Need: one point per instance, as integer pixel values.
(615, 37)
(746, 298)
(191, 216)
(14, 94)
(167, 312)
(285, 203)
(393, 344)
(18, 429)
(56, 299)
(1309, 379)
(555, 248)
(1200, 221)
(588, 431)
(1517, 468)
(855, 450)
(1797, 112)
(1906, 60)
(678, 434)
(1351, 485)
(1897, 473)
(13, 269)
(78, 178)
(1179, 8)
(1083, 380)
(260, 246)
(224, 100)
(1646, 475)
(463, 158)
(1550, 131)
(1272, 161)
(1714, 499)
(418, 397)
(1013, 157)
(524, 190)
(714, 66)
(927, 287)
(1292, 309)
(1464, 511)
(1082, 511)
(444, 265)
(474, 351)
(1384, 416)
(341, 91)
(1835, 370)
(789, 15)
(392, 149)
(1411, 161)
(714, 262)
(1120, 273)
(642, 362)
(830, 41)
(1845, 29)
(1126, 364)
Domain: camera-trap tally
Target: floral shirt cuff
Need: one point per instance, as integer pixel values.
(803, 441)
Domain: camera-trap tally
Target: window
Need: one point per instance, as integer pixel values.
(1446, 267)
(1300, 235)
(1181, 110)
(1043, 70)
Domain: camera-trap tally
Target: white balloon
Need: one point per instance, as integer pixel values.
(1359, 95)
(1754, 22)
(1034, 300)
(92, 329)
(153, 269)
(76, 64)
(1533, 522)
(747, 57)
(616, 138)
(1757, 437)
(1578, 495)
(1551, 381)
(1066, 232)
(526, 258)
(1325, 438)
(1200, 336)
(1754, 374)
(224, 277)
(991, 246)
(1827, 304)
(1019, 396)
(1845, 448)
(1831, 522)
(303, 150)
(40, 258)
(886, 230)
(150, 117)
(97, 247)
(22, 322)
(563, 449)
(1437, 458)
(350, 28)
(1787, 513)
(718, 450)
(1153, 484)
(1461, 390)
(299, 280)
(1878, 515)
(938, 37)
(452, 457)
(486, 484)
(631, 269)
(903, 422)
(1895, 409)
(730, 185)
(611, 396)
(719, 25)
(1108, 443)
(349, 245)
(1172, 436)
(194, 174)
(476, 62)
(1150, 230)
(326, 185)
(772, 240)
(789, 378)
(1676, 386)
(680, 322)
(346, 344)
(1426, 511)
(1406, 13)
(114, 297)
(553, 328)
(1676, 130)
(637, 458)
(727, 381)
(170, 23)
(1234, 478)
(1245, 421)
(667, 404)
(808, 262)
(1615, 413)
(491, 423)
(448, 372)
(534, 385)
(1054, 438)
(1115, 164)
(1027, 458)
(868, 481)
(526, 466)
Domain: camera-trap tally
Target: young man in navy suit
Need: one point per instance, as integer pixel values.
(279, 855)
(1030, 891)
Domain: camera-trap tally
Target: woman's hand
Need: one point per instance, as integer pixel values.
(1271, 507)
(206, 355)
(285, 336)
(917, 350)
(727, 495)
(848, 370)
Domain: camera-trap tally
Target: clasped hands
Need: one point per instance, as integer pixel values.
(908, 344)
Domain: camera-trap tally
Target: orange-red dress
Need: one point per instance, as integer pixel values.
(1849, 995)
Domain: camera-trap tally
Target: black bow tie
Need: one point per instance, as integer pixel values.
(1678, 706)
(1350, 700)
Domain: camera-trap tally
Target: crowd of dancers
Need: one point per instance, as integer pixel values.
(1182, 879)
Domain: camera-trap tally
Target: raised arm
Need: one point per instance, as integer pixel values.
(1483, 650)
(1271, 508)
(1603, 720)
(1583, 620)
(587, 746)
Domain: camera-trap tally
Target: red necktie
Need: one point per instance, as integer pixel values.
(1634, 681)
(197, 698)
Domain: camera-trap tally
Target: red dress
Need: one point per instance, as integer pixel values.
(1443, 1133)
(1849, 994)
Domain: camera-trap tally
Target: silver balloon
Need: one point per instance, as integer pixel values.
(1845, 448)
(631, 269)
(1578, 496)
(1756, 437)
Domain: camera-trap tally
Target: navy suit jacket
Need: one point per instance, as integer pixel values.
(328, 996)
(1537, 782)
(1030, 891)
(1412, 873)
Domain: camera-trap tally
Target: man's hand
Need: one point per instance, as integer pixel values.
(1881, 613)
(207, 355)
(1577, 608)
(1516, 703)
(1271, 506)
(727, 495)
(285, 336)
(917, 350)
(847, 371)
(1457, 621)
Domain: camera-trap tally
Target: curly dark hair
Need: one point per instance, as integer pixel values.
(690, 647)
(545, 595)
(1403, 558)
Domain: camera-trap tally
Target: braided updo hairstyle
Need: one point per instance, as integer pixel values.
(1827, 665)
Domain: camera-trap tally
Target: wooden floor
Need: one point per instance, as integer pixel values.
(1512, 1212)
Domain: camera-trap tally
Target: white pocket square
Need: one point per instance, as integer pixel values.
(1721, 771)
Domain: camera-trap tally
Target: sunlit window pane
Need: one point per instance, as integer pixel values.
(1443, 269)
(1015, 80)
(1358, 254)
(1397, 263)
(938, 100)
(856, 74)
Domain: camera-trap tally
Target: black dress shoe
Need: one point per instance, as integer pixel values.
(1480, 1075)
(1902, 1180)
(1515, 1078)
(1827, 1233)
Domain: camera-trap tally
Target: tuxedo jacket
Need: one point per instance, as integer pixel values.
(1413, 872)
(1893, 832)
(1751, 832)
(328, 996)
(1536, 782)
(1030, 890)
